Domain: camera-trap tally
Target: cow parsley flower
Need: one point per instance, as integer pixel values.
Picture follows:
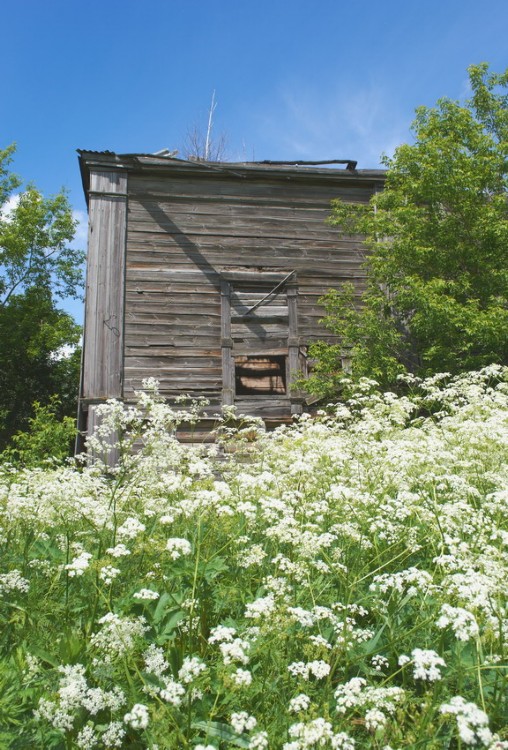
(87, 738)
(262, 607)
(242, 722)
(155, 661)
(374, 718)
(178, 547)
(78, 565)
(302, 616)
(14, 581)
(137, 717)
(317, 733)
(113, 735)
(146, 595)
(120, 550)
(117, 635)
(318, 669)
(379, 662)
(221, 633)
(462, 622)
(172, 692)
(190, 669)
(235, 650)
(472, 722)
(130, 529)
(426, 664)
(108, 574)
(242, 677)
(258, 741)
(299, 703)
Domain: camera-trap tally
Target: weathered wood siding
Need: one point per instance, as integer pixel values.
(185, 232)
(103, 344)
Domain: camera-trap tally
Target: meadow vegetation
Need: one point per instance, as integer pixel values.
(337, 583)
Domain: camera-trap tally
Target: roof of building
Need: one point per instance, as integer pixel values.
(167, 161)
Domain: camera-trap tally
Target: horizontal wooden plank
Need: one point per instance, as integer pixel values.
(272, 191)
(157, 241)
(148, 360)
(170, 309)
(173, 353)
(263, 406)
(182, 378)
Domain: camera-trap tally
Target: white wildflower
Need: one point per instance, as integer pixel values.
(146, 595)
(117, 635)
(408, 582)
(303, 616)
(318, 640)
(242, 677)
(242, 722)
(472, 722)
(87, 738)
(130, 528)
(178, 547)
(190, 669)
(254, 555)
(33, 666)
(172, 692)
(300, 703)
(138, 717)
(426, 664)
(262, 607)
(342, 741)
(318, 669)
(221, 633)
(120, 550)
(462, 622)
(108, 574)
(78, 565)
(348, 695)
(356, 693)
(236, 650)
(316, 733)
(113, 735)
(374, 718)
(258, 741)
(155, 663)
(379, 662)
(13, 581)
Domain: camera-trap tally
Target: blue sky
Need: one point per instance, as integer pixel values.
(304, 79)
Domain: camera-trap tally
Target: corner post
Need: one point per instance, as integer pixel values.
(103, 340)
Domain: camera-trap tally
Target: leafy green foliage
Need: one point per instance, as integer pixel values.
(48, 438)
(437, 286)
(36, 267)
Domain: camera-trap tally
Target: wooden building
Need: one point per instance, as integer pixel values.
(206, 276)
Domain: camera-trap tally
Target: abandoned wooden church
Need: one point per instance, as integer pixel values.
(206, 276)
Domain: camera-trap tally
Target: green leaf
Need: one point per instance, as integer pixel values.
(221, 732)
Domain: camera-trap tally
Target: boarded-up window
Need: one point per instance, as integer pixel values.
(256, 333)
(260, 375)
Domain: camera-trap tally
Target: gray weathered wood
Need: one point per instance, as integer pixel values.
(104, 309)
(201, 250)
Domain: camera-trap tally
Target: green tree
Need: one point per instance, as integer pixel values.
(37, 268)
(436, 297)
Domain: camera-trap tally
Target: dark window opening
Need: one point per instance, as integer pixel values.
(260, 375)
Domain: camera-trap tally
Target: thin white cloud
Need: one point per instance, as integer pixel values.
(9, 206)
(81, 228)
(356, 124)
